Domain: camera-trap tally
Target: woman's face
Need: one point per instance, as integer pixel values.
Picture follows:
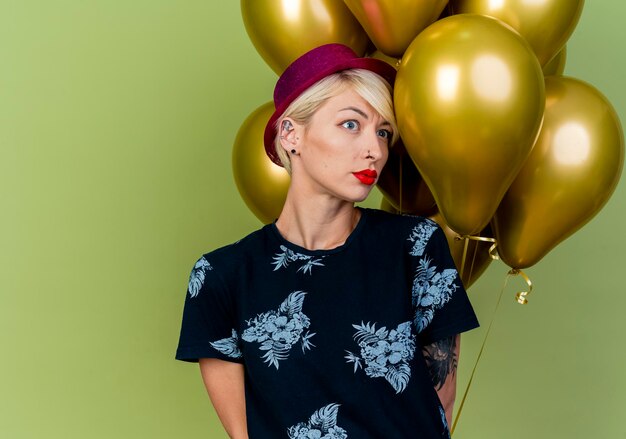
(344, 148)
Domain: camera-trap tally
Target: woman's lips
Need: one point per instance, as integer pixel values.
(366, 176)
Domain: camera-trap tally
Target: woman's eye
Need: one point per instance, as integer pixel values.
(350, 124)
(385, 134)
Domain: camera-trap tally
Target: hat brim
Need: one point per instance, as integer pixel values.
(381, 68)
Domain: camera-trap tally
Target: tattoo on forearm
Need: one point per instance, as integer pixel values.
(441, 360)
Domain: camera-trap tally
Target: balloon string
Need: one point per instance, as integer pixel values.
(480, 353)
(465, 247)
(493, 250)
(471, 271)
(493, 253)
(520, 297)
(400, 182)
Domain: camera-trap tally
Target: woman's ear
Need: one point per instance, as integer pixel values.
(287, 134)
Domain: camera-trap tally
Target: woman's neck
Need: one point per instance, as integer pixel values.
(317, 223)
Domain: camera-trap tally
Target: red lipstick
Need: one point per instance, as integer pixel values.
(366, 176)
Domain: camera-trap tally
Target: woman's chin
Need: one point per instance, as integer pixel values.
(360, 195)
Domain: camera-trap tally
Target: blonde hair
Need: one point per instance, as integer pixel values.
(370, 86)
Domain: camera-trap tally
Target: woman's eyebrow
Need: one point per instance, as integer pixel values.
(356, 110)
(362, 113)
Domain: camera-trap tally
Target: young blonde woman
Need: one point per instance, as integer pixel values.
(334, 321)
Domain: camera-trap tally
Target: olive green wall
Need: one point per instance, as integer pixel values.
(116, 124)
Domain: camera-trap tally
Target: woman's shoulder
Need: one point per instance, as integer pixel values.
(235, 253)
(401, 222)
(401, 229)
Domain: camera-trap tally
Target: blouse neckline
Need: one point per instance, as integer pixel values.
(320, 252)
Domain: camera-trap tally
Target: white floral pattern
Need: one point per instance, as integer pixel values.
(431, 290)
(386, 353)
(277, 331)
(283, 259)
(321, 425)
(444, 421)
(420, 235)
(228, 346)
(197, 276)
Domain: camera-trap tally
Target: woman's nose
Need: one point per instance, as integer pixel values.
(374, 148)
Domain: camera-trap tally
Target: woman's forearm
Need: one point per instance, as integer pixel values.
(224, 382)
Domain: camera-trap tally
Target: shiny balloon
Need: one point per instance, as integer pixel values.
(447, 11)
(392, 24)
(477, 257)
(469, 99)
(545, 24)
(569, 176)
(262, 184)
(556, 66)
(402, 185)
(281, 30)
(392, 61)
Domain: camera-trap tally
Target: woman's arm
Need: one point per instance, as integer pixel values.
(224, 382)
(441, 359)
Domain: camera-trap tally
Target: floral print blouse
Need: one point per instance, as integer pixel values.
(331, 339)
